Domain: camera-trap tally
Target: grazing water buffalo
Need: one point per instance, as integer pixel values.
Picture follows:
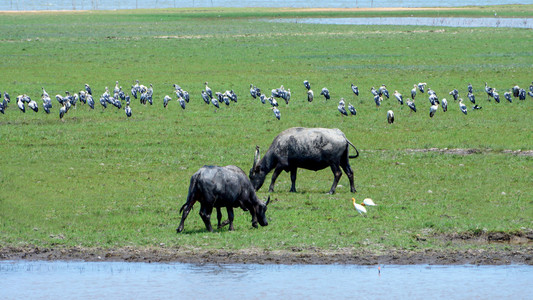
(218, 187)
(308, 148)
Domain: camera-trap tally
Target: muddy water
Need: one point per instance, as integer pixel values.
(112, 280)
(447, 22)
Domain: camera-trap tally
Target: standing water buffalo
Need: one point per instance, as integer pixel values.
(218, 187)
(308, 148)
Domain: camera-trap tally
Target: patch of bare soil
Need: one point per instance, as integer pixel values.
(519, 254)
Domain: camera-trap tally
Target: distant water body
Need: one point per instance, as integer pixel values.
(21, 5)
(448, 22)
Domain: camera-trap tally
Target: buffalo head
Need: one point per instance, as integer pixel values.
(260, 210)
(257, 175)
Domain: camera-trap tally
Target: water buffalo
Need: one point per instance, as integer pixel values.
(308, 148)
(218, 187)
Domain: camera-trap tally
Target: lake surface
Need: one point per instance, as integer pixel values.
(120, 280)
(447, 22)
(135, 4)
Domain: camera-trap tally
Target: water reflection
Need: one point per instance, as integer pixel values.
(448, 22)
(27, 279)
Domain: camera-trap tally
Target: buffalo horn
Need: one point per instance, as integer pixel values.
(256, 157)
(268, 201)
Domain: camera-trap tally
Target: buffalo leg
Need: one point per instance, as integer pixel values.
(230, 217)
(337, 173)
(205, 214)
(183, 217)
(275, 175)
(293, 180)
(348, 170)
(219, 218)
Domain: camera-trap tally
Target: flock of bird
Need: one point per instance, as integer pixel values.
(145, 95)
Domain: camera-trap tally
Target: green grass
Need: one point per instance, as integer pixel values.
(100, 179)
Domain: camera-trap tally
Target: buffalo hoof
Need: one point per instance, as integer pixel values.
(224, 223)
(254, 224)
(178, 230)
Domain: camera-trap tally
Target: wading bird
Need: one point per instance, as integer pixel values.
(377, 100)
(433, 109)
(352, 110)
(413, 92)
(166, 100)
(253, 91)
(383, 91)
(63, 110)
(128, 110)
(399, 97)
(310, 95)
(215, 103)
(116, 90)
(307, 85)
(488, 90)
(342, 109)
(360, 208)
(421, 86)
(20, 104)
(90, 101)
(44, 93)
(374, 91)
(470, 89)
(88, 89)
(411, 105)
(33, 105)
(522, 94)
(355, 89)
(390, 116)
(444, 104)
(496, 96)
(182, 102)
(208, 91)
(454, 93)
(516, 90)
(287, 96)
(205, 97)
(471, 97)
(462, 106)
(507, 95)
(325, 93)
(276, 111)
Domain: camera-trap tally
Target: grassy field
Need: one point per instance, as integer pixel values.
(99, 179)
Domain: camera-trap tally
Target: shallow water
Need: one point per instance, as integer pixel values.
(447, 22)
(133, 4)
(112, 280)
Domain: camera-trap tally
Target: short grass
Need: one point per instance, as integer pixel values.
(99, 179)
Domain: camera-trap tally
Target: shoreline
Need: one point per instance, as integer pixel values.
(519, 255)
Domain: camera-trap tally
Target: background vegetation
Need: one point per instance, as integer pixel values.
(101, 179)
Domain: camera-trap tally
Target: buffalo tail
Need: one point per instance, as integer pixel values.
(353, 156)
